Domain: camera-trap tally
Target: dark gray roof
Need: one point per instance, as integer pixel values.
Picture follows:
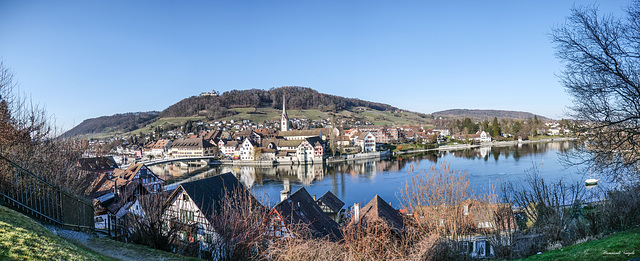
(314, 140)
(98, 163)
(192, 143)
(208, 193)
(377, 207)
(330, 200)
(300, 208)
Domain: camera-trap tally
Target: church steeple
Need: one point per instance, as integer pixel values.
(284, 120)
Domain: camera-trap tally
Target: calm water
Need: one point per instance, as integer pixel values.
(359, 182)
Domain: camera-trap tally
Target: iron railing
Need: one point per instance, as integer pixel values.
(32, 195)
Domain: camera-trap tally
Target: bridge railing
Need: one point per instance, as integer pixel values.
(38, 197)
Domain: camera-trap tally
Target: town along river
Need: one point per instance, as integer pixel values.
(360, 181)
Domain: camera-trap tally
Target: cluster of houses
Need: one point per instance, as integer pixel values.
(113, 190)
(285, 145)
(191, 206)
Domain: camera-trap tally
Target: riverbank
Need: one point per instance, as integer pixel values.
(484, 144)
(295, 161)
(358, 156)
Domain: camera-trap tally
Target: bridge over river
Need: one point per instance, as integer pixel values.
(168, 160)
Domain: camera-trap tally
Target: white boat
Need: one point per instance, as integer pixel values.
(589, 182)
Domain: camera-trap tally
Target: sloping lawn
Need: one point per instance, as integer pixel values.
(620, 246)
(21, 238)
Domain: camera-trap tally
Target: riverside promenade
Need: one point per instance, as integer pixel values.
(484, 144)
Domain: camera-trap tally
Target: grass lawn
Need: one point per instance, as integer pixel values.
(619, 246)
(176, 121)
(407, 146)
(21, 238)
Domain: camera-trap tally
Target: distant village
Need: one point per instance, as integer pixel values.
(288, 141)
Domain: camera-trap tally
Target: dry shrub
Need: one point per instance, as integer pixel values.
(621, 210)
(239, 222)
(374, 240)
(151, 229)
(302, 246)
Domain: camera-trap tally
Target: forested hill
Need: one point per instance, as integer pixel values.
(487, 114)
(121, 122)
(298, 98)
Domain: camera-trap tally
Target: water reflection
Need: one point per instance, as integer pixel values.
(359, 181)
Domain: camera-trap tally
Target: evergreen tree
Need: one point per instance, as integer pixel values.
(485, 125)
(495, 128)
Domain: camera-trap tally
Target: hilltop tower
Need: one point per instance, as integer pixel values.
(284, 120)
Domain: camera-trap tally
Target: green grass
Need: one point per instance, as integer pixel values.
(21, 238)
(176, 121)
(620, 246)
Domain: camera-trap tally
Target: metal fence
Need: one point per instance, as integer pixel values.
(39, 198)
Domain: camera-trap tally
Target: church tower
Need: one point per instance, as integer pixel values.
(284, 120)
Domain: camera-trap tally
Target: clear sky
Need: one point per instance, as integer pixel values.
(84, 59)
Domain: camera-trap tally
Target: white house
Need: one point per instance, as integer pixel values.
(247, 149)
(366, 141)
(485, 137)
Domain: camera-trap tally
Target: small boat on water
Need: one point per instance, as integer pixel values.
(590, 182)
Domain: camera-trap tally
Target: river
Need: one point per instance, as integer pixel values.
(360, 181)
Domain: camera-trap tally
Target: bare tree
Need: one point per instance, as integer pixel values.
(434, 197)
(548, 208)
(147, 226)
(602, 72)
(29, 138)
(240, 225)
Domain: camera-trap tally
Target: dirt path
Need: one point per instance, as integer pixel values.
(115, 249)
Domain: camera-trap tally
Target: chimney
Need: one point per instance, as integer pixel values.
(115, 190)
(286, 191)
(284, 194)
(286, 184)
(314, 197)
(356, 213)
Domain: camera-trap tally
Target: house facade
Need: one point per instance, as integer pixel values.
(193, 147)
(142, 174)
(366, 142)
(247, 149)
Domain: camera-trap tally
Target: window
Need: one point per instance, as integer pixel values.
(207, 238)
(185, 197)
(186, 215)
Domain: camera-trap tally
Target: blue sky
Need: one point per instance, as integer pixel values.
(84, 59)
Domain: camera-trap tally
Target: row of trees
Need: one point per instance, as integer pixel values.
(514, 127)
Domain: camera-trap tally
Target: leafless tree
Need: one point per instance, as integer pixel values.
(147, 226)
(549, 208)
(29, 138)
(240, 223)
(602, 73)
(434, 197)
